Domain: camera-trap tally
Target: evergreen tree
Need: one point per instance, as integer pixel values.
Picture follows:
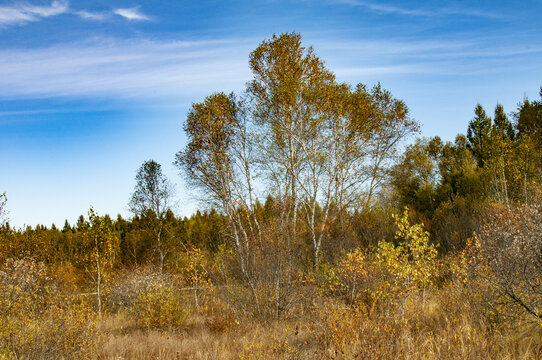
(478, 134)
(502, 124)
(529, 118)
(529, 132)
(67, 228)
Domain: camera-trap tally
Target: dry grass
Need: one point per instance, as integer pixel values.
(447, 328)
(452, 322)
(198, 340)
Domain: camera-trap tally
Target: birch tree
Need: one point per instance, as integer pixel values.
(317, 146)
(218, 161)
(289, 97)
(3, 211)
(151, 200)
(99, 255)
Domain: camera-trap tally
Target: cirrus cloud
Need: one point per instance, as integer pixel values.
(92, 15)
(131, 13)
(22, 13)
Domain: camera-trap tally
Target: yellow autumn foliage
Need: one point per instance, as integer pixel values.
(409, 266)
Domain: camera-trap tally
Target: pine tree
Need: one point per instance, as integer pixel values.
(502, 124)
(478, 134)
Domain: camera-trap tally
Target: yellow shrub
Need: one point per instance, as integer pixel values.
(410, 265)
(353, 273)
(160, 307)
(37, 321)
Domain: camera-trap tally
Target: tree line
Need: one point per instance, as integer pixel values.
(297, 171)
(314, 164)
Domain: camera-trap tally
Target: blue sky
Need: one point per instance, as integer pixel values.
(91, 89)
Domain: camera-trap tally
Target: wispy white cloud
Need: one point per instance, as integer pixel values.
(100, 16)
(357, 71)
(144, 69)
(383, 8)
(366, 61)
(56, 8)
(398, 10)
(408, 48)
(131, 13)
(23, 13)
(14, 16)
(124, 69)
(470, 12)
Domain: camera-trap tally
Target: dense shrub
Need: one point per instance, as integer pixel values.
(37, 320)
(129, 285)
(511, 260)
(160, 307)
